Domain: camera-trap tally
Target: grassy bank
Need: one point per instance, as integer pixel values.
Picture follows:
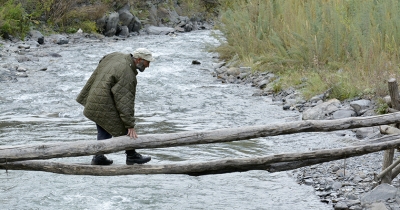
(348, 46)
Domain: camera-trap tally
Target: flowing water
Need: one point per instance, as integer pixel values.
(172, 96)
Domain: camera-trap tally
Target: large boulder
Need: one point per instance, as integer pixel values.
(135, 25)
(112, 24)
(125, 16)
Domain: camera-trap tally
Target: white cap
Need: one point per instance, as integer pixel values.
(143, 53)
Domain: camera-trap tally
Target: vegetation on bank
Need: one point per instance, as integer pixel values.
(17, 17)
(350, 47)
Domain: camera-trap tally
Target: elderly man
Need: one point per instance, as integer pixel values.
(109, 99)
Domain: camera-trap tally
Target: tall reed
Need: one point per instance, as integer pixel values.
(359, 37)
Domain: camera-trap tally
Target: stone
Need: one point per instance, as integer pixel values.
(382, 192)
(360, 105)
(343, 113)
(124, 31)
(321, 111)
(111, 24)
(336, 185)
(376, 206)
(362, 133)
(341, 205)
(36, 36)
(155, 30)
(233, 71)
(62, 40)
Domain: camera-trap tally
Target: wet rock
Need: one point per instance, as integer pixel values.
(111, 24)
(125, 17)
(382, 192)
(321, 111)
(21, 69)
(196, 62)
(36, 36)
(368, 132)
(317, 98)
(360, 105)
(286, 107)
(24, 46)
(243, 75)
(368, 113)
(56, 55)
(233, 71)
(336, 185)
(308, 181)
(375, 206)
(218, 65)
(155, 30)
(179, 29)
(263, 83)
(124, 31)
(341, 206)
(21, 74)
(343, 113)
(60, 40)
(23, 58)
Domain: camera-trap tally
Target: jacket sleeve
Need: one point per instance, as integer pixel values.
(123, 92)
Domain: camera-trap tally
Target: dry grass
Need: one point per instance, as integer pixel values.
(351, 45)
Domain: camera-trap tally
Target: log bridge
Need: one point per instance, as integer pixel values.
(32, 157)
(36, 157)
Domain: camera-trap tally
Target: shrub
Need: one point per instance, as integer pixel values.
(319, 37)
(13, 20)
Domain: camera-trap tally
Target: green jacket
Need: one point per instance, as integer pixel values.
(109, 95)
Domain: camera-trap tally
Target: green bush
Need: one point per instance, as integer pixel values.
(13, 20)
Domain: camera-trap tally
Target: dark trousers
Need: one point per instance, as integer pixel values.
(103, 134)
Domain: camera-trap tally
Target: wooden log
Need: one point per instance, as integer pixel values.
(387, 162)
(389, 154)
(395, 171)
(395, 167)
(273, 163)
(89, 147)
(394, 93)
(388, 169)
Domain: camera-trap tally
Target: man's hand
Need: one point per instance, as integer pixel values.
(132, 133)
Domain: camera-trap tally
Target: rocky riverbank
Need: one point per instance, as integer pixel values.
(344, 184)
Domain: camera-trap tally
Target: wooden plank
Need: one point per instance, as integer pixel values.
(271, 163)
(89, 147)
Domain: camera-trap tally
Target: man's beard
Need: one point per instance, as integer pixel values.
(140, 66)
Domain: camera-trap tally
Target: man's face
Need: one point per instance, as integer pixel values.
(141, 65)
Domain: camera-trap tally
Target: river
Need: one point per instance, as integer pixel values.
(172, 96)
